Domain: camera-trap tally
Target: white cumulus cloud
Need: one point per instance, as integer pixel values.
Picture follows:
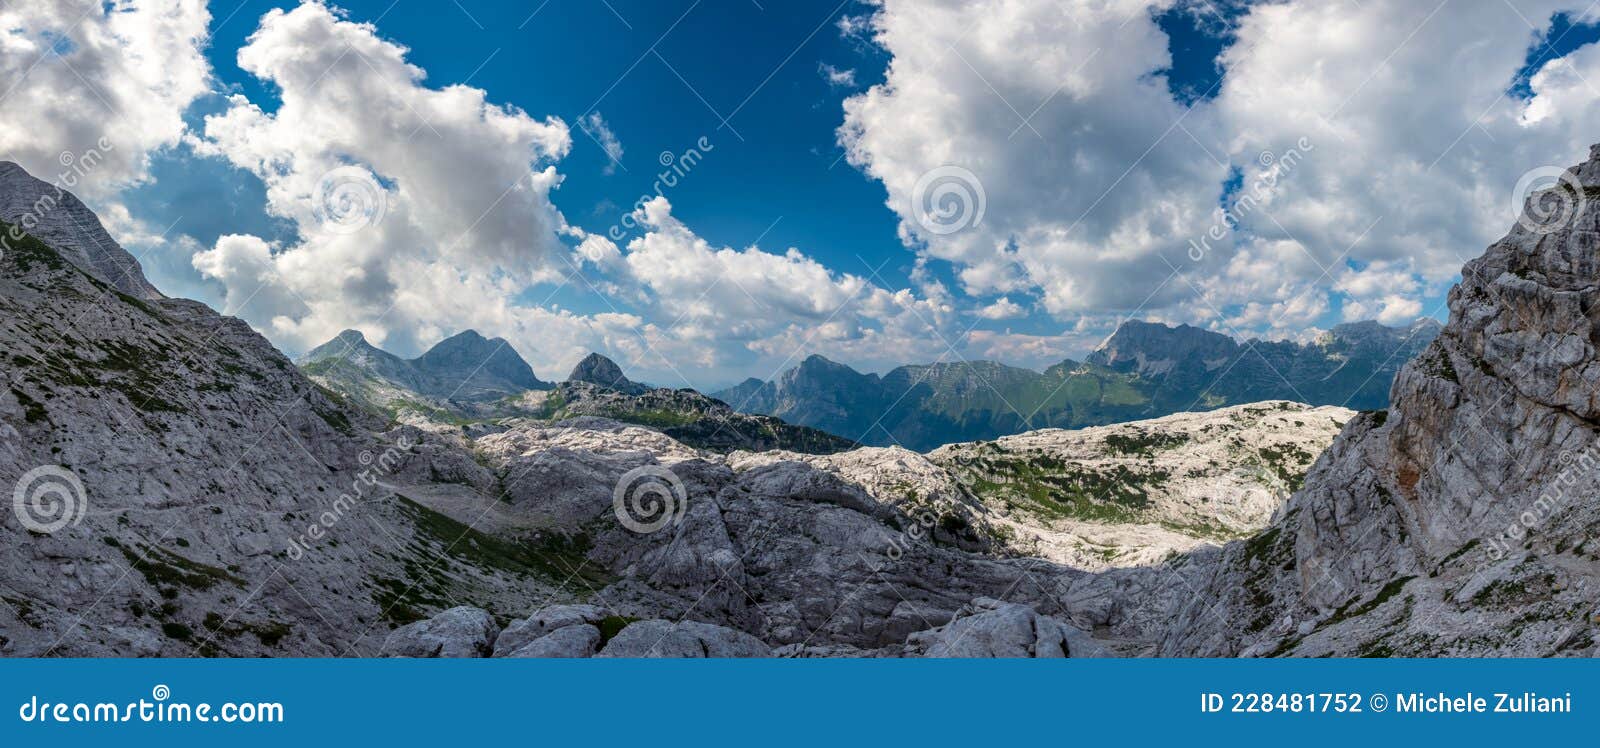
(1378, 134)
(595, 126)
(420, 210)
(109, 77)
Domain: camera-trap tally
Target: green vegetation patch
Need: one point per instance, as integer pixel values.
(1351, 610)
(442, 550)
(1142, 443)
(610, 626)
(1056, 488)
(163, 568)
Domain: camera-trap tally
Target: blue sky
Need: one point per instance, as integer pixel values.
(1351, 158)
(776, 157)
(752, 78)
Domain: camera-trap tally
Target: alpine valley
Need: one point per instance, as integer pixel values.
(1177, 493)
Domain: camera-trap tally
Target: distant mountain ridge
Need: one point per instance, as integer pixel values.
(1144, 370)
(468, 382)
(465, 367)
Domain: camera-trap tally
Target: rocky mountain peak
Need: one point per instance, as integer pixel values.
(470, 356)
(1152, 348)
(465, 367)
(1369, 334)
(343, 344)
(59, 219)
(599, 370)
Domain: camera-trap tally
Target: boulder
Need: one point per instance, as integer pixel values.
(457, 632)
(573, 641)
(991, 628)
(659, 638)
(544, 622)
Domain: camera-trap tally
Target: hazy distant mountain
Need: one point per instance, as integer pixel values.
(466, 367)
(1144, 370)
(471, 382)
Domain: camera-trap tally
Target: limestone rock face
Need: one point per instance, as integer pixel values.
(1459, 522)
(1137, 493)
(457, 632)
(217, 501)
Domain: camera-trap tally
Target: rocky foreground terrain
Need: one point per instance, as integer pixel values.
(192, 492)
(1141, 493)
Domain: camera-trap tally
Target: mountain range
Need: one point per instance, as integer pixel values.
(465, 367)
(1144, 370)
(468, 381)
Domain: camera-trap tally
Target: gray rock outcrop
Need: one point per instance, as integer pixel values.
(521, 633)
(578, 640)
(58, 218)
(457, 632)
(990, 628)
(659, 638)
